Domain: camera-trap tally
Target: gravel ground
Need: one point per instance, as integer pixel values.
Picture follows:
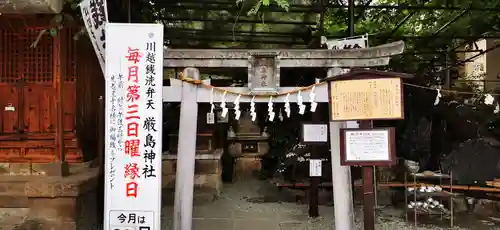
(259, 204)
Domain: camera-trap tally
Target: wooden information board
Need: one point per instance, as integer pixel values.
(366, 99)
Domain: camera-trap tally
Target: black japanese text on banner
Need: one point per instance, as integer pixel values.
(95, 17)
(347, 43)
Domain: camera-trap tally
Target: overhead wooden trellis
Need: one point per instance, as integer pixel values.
(208, 23)
(225, 20)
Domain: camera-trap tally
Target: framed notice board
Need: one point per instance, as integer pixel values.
(368, 147)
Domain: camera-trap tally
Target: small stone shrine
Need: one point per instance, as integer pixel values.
(247, 145)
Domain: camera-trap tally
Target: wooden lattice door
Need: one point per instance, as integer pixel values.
(27, 87)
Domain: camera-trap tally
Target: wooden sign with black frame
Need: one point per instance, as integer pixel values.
(366, 95)
(368, 147)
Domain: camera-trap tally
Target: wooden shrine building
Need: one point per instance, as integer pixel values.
(37, 71)
(50, 86)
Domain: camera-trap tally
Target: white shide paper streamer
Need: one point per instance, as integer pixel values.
(302, 107)
(438, 96)
(270, 109)
(223, 105)
(488, 99)
(212, 106)
(253, 114)
(237, 111)
(287, 105)
(312, 96)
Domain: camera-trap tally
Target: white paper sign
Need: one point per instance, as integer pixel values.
(210, 118)
(10, 108)
(95, 17)
(315, 133)
(314, 167)
(134, 82)
(367, 145)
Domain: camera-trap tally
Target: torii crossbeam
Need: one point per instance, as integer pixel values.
(272, 60)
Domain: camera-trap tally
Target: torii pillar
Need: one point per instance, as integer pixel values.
(263, 77)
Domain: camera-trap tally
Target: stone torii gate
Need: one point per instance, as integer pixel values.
(263, 78)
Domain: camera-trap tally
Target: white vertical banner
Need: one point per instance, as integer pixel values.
(134, 83)
(95, 17)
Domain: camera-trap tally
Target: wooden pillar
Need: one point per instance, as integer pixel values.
(368, 189)
(314, 181)
(58, 168)
(101, 134)
(215, 134)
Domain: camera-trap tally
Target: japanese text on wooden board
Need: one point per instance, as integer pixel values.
(367, 99)
(134, 107)
(95, 17)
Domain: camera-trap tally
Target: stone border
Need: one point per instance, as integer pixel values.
(45, 186)
(214, 155)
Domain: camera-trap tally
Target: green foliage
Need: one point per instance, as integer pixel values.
(255, 8)
(426, 57)
(422, 53)
(59, 20)
(53, 32)
(265, 3)
(283, 4)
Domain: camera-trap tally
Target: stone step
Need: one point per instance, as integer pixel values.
(9, 227)
(13, 217)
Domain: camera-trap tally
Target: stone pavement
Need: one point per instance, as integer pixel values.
(252, 205)
(256, 205)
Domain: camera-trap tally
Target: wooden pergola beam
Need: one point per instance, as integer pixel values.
(172, 19)
(183, 37)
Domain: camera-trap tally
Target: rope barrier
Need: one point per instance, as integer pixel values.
(215, 88)
(299, 89)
